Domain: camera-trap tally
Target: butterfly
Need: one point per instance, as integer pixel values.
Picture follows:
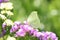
(34, 20)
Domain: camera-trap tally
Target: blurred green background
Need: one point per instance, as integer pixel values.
(48, 12)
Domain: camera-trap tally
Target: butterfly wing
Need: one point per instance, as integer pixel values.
(34, 20)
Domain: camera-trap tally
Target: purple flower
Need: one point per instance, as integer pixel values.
(20, 32)
(3, 25)
(3, 32)
(1, 1)
(27, 28)
(39, 34)
(44, 36)
(48, 35)
(17, 23)
(14, 28)
(21, 26)
(22, 29)
(53, 36)
(33, 32)
(6, 0)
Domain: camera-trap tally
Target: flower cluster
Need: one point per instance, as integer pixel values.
(3, 17)
(20, 30)
(5, 12)
(7, 22)
(6, 8)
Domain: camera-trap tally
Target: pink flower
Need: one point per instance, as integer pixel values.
(27, 28)
(4, 25)
(14, 28)
(0, 1)
(20, 32)
(33, 32)
(17, 23)
(53, 36)
(3, 1)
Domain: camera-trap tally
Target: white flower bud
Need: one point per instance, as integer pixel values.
(2, 17)
(9, 13)
(3, 12)
(2, 5)
(8, 6)
(10, 38)
(9, 22)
